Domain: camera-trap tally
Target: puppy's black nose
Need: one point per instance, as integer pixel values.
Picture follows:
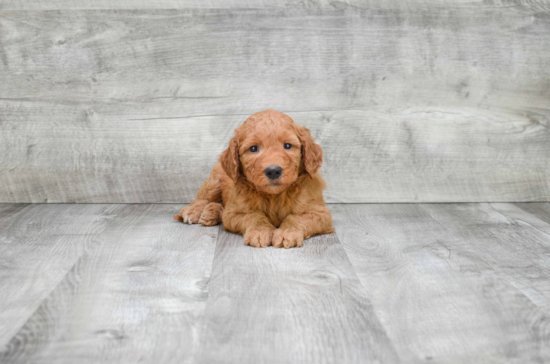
(273, 171)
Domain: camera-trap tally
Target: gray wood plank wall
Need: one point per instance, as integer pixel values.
(520, 5)
(425, 101)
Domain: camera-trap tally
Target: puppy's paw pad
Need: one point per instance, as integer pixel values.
(212, 214)
(287, 238)
(258, 237)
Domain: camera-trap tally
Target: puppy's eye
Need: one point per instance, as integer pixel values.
(254, 148)
(288, 146)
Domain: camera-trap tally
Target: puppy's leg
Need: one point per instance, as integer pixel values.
(212, 214)
(254, 226)
(211, 191)
(296, 228)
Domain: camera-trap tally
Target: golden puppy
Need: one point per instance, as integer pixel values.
(266, 185)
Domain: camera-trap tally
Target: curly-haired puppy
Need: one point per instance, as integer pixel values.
(266, 185)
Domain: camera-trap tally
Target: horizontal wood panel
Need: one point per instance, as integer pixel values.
(409, 105)
(369, 156)
(518, 5)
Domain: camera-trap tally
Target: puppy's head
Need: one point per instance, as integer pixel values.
(271, 151)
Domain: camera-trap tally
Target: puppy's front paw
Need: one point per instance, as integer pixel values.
(287, 238)
(258, 236)
(212, 214)
(192, 213)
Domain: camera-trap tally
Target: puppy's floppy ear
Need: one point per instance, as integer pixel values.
(312, 154)
(229, 159)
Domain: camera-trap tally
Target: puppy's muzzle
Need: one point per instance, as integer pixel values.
(273, 172)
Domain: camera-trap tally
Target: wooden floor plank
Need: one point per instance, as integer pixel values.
(435, 286)
(137, 296)
(289, 306)
(10, 211)
(445, 283)
(533, 218)
(518, 254)
(520, 248)
(540, 210)
(38, 245)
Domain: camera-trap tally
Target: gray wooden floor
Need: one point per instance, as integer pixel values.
(441, 283)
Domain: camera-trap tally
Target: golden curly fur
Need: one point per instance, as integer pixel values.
(282, 210)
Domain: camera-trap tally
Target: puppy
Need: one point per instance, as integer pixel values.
(266, 185)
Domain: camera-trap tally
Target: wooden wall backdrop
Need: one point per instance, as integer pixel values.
(132, 101)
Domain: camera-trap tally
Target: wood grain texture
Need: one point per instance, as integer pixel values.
(516, 244)
(535, 218)
(517, 253)
(442, 283)
(451, 283)
(39, 244)
(410, 105)
(518, 5)
(137, 296)
(289, 306)
(540, 210)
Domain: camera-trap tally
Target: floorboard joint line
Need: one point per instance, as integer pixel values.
(289, 305)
